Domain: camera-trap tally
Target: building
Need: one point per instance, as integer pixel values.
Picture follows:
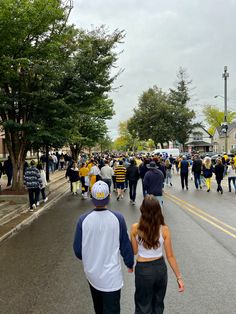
(219, 139)
(200, 140)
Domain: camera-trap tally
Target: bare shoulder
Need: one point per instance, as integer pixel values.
(134, 228)
(165, 231)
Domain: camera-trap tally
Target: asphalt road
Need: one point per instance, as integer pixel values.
(40, 274)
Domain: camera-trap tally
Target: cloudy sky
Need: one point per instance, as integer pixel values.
(161, 36)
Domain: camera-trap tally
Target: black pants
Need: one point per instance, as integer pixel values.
(9, 179)
(150, 287)
(43, 193)
(114, 182)
(219, 187)
(184, 179)
(132, 190)
(197, 179)
(105, 302)
(108, 182)
(84, 187)
(33, 196)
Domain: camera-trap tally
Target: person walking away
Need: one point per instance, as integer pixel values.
(177, 161)
(231, 175)
(100, 238)
(106, 174)
(126, 165)
(44, 183)
(207, 170)
(172, 161)
(120, 174)
(142, 171)
(149, 238)
(234, 159)
(113, 165)
(219, 173)
(168, 167)
(196, 170)
(225, 160)
(73, 174)
(8, 169)
(132, 175)
(33, 182)
(153, 181)
(62, 161)
(84, 178)
(184, 166)
(94, 174)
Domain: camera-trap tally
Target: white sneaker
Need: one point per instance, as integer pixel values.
(34, 207)
(31, 209)
(45, 200)
(37, 204)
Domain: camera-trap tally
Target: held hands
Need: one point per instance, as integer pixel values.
(180, 284)
(130, 270)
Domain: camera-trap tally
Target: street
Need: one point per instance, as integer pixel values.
(40, 274)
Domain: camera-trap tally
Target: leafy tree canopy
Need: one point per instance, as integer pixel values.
(214, 117)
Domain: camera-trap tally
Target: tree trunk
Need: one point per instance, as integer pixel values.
(47, 163)
(17, 148)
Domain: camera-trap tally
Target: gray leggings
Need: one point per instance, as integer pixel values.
(150, 286)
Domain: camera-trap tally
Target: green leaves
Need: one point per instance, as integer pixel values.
(163, 117)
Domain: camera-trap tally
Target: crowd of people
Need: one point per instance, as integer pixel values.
(124, 171)
(149, 237)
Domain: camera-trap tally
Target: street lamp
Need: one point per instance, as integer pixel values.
(225, 75)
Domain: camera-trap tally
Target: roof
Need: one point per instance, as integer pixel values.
(198, 143)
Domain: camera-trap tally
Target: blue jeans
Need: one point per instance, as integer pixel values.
(197, 179)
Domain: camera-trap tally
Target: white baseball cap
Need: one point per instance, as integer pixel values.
(100, 193)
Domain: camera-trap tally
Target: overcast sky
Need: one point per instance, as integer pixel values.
(161, 36)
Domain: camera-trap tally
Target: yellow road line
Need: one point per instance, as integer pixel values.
(201, 211)
(201, 216)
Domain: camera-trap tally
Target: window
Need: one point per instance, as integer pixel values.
(197, 136)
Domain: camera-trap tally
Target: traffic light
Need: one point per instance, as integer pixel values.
(224, 127)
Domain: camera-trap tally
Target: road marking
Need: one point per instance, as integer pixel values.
(200, 213)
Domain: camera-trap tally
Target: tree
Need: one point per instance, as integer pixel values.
(153, 118)
(124, 140)
(214, 117)
(35, 44)
(182, 122)
(86, 85)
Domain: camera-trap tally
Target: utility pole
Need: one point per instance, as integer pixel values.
(225, 75)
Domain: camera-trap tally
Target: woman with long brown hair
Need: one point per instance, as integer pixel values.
(148, 237)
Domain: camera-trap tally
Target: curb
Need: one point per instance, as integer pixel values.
(34, 216)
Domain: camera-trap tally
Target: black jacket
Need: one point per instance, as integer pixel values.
(132, 173)
(197, 166)
(153, 182)
(219, 172)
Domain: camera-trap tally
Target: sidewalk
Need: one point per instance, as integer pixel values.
(14, 216)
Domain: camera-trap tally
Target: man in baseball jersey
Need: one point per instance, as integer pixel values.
(100, 237)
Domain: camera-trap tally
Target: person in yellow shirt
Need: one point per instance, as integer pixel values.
(83, 172)
(225, 156)
(234, 159)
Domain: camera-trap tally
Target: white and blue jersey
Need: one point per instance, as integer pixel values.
(101, 236)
